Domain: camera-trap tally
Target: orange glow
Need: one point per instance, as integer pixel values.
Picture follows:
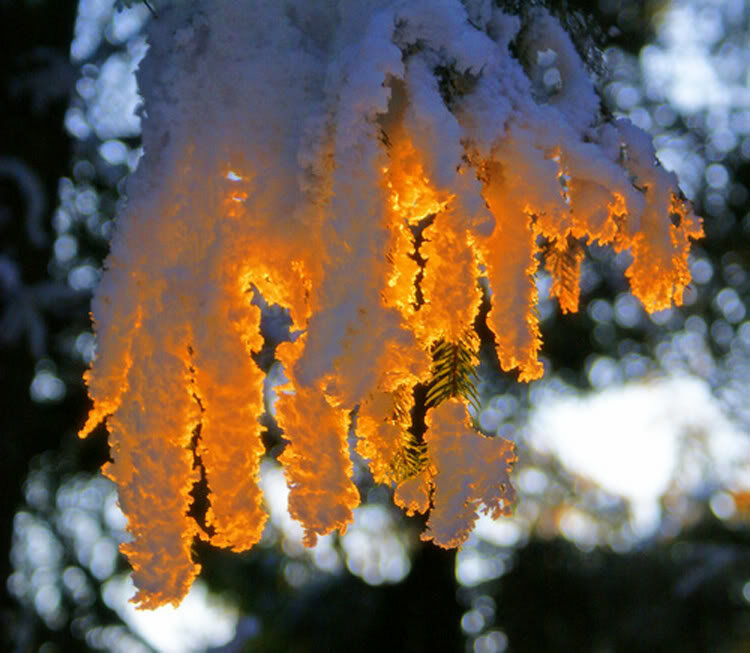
(378, 302)
(741, 500)
(564, 264)
(413, 493)
(230, 444)
(510, 256)
(321, 492)
(659, 272)
(381, 433)
(481, 479)
(412, 197)
(153, 490)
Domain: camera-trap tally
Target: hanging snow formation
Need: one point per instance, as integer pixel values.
(295, 149)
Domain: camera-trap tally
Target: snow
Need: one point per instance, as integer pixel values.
(289, 147)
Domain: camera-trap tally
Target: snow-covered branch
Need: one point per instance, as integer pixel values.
(362, 164)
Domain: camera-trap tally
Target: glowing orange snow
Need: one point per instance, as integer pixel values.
(372, 222)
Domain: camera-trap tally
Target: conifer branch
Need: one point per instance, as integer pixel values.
(453, 372)
(563, 261)
(411, 457)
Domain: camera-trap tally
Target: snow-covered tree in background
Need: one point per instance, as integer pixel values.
(373, 167)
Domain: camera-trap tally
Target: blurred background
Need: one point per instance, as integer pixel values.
(632, 530)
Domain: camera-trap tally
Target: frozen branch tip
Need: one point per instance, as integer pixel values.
(363, 165)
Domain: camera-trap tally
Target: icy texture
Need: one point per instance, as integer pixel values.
(293, 148)
(471, 470)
